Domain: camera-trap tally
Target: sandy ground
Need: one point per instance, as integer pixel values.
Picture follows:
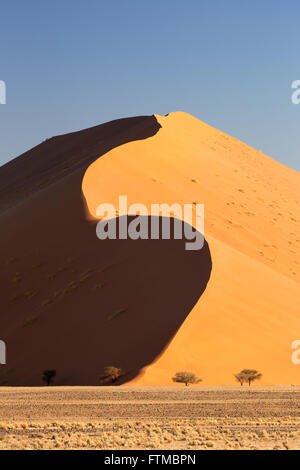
(150, 418)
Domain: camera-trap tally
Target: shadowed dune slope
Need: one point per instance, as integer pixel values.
(57, 157)
(69, 301)
(248, 316)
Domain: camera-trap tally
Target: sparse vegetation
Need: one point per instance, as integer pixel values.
(17, 278)
(116, 314)
(155, 434)
(248, 375)
(30, 320)
(140, 418)
(48, 376)
(98, 286)
(186, 378)
(111, 374)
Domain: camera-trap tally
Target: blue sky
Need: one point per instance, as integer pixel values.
(74, 64)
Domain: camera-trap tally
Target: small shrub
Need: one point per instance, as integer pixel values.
(111, 374)
(48, 376)
(116, 314)
(30, 320)
(98, 286)
(186, 378)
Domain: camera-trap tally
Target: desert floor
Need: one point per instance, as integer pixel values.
(194, 417)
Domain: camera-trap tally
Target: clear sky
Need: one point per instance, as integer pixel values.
(71, 64)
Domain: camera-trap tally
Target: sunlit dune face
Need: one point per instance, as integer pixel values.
(189, 162)
(248, 315)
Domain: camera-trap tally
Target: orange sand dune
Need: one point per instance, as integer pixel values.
(249, 314)
(76, 304)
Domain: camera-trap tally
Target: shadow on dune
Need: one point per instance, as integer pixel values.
(80, 303)
(154, 286)
(57, 157)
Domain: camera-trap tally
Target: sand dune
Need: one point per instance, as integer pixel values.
(249, 313)
(233, 305)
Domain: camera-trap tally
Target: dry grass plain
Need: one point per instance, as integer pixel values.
(194, 417)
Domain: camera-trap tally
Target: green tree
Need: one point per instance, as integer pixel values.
(241, 378)
(111, 374)
(186, 378)
(248, 375)
(48, 376)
